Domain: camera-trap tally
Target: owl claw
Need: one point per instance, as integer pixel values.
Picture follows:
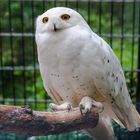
(87, 104)
(81, 108)
(64, 106)
(52, 106)
(69, 107)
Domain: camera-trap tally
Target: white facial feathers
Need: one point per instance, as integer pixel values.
(57, 19)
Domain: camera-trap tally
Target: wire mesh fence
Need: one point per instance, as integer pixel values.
(20, 82)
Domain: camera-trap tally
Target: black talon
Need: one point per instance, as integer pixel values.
(69, 107)
(81, 108)
(93, 106)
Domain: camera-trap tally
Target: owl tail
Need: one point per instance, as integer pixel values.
(133, 120)
(103, 130)
(129, 117)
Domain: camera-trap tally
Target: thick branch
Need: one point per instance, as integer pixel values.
(24, 121)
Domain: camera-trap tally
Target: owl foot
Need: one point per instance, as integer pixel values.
(64, 106)
(88, 103)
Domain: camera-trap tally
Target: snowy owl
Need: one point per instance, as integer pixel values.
(79, 68)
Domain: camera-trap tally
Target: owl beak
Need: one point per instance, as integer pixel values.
(55, 29)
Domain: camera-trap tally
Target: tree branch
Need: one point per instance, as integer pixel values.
(24, 121)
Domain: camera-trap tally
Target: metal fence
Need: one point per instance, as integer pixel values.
(20, 83)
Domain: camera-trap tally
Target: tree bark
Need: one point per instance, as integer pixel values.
(24, 121)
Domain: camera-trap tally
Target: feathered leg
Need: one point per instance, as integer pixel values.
(104, 129)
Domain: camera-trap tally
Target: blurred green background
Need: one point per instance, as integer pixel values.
(20, 81)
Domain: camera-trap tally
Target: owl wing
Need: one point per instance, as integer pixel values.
(110, 82)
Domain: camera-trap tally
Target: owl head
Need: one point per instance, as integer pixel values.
(58, 19)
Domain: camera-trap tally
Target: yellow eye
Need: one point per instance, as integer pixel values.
(45, 19)
(65, 17)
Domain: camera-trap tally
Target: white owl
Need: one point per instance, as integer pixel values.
(79, 68)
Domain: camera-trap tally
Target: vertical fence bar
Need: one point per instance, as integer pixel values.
(133, 44)
(138, 73)
(43, 4)
(66, 3)
(133, 32)
(122, 32)
(100, 17)
(111, 21)
(23, 51)
(12, 51)
(55, 3)
(34, 57)
(88, 12)
(1, 62)
(77, 5)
